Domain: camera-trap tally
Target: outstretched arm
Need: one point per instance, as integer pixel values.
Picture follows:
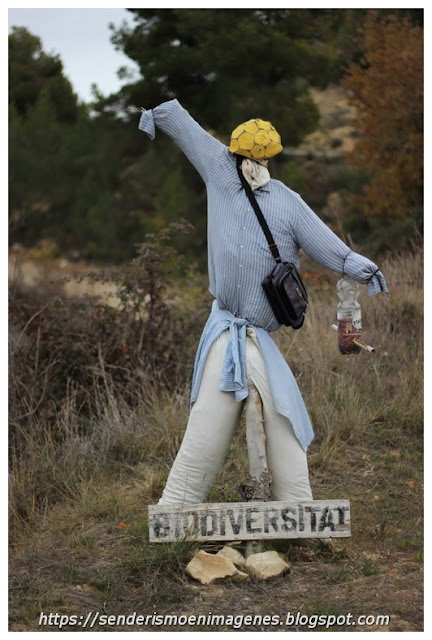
(322, 245)
(199, 146)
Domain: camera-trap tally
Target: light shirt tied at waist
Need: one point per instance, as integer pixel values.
(285, 391)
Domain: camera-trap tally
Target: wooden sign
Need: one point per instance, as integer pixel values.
(250, 521)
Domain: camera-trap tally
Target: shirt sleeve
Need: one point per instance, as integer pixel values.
(320, 243)
(199, 146)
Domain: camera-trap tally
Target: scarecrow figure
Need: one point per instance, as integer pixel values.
(236, 348)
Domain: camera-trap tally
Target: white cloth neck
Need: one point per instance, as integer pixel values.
(256, 174)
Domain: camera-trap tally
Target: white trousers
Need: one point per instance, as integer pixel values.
(211, 427)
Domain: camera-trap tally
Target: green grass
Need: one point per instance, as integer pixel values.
(368, 567)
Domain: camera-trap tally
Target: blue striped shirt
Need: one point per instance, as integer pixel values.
(239, 259)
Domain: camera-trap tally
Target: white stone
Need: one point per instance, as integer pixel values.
(209, 568)
(266, 565)
(233, 555)
(240, 576)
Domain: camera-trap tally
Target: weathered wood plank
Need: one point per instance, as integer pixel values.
(255, 435)
(256, 446)
(250, 521)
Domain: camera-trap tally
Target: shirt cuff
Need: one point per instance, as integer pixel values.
(366, 272)
(147, 124)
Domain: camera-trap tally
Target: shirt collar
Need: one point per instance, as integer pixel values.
(266, 187)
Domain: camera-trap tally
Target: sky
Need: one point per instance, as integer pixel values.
(81, 37)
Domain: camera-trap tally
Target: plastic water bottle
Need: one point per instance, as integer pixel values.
(348, 315)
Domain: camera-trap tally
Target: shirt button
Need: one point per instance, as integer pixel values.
(244, 227)
(240, 266)
(238, 286)
(241, 246)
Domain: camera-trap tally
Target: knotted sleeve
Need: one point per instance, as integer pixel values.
(320, 243)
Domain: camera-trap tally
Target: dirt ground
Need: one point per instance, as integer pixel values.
(100, 565)
(315, 586)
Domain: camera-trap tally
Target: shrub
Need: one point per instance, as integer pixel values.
(57, 344)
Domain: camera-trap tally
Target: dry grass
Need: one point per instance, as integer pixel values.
(352, 397)
(79, 503)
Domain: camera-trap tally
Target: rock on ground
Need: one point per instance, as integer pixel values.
(233, 555)
(209, 568)
(266, 565)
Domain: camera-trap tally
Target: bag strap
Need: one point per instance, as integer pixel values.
(270, 240)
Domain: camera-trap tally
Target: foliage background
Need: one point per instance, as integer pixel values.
(83, 178)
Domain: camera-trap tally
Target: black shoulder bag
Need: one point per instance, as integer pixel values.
(283, 287)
